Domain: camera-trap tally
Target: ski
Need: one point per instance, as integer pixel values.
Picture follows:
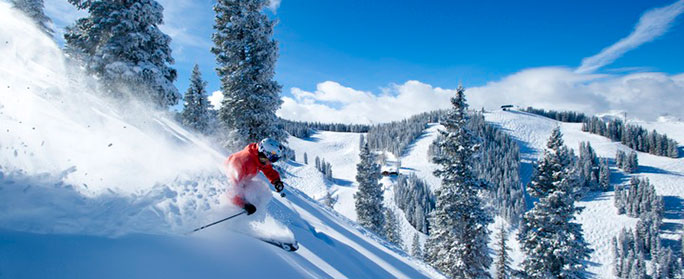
(287, 246)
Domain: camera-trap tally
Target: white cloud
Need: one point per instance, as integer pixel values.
(651, 25)
(643, 95)
(332, 102)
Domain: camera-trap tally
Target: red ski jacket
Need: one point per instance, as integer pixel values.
(245, 165)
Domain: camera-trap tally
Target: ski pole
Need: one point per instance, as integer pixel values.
(219, 221)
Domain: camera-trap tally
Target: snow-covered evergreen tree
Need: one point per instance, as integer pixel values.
(35, 9)
(632, 162)
(329, 200)
(362, 141)
(553, 244)
(416, 250)
(588, 166)
(503, 259)
(196, 110)
(368, 198)
(246, 55)
(457, 245)
(391, 228)
(306, 159)
(120, 42)
(604, 176)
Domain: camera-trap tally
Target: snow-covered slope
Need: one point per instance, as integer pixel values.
(91, 189)
(599, 219)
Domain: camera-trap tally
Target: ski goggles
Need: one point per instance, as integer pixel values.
(272, 156)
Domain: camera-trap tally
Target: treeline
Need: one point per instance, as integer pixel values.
(563, 116)
(498, 163)
(306, 129)
(413, 196)
(396, 136)
(633, 136)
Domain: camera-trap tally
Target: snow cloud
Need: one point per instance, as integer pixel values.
(651, 25)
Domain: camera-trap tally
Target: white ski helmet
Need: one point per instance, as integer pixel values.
(271, 148)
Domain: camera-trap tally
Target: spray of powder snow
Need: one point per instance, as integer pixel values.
(73, 161)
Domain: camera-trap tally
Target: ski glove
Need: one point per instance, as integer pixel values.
(250, 208)
(279, 186)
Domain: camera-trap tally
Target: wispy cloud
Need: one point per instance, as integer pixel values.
(651, 25)
(182, 21)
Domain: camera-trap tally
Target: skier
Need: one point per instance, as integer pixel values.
(244, 165)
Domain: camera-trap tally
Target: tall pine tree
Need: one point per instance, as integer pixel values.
(503, 259)
(416, 250)
(457, 245)
(554, 245)
(35, 9)
(391, 228)
(246, 55)
(120, 42)
(196, 112)
(368, 198)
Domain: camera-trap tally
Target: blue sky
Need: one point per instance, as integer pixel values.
(374, 48)
(368, 44)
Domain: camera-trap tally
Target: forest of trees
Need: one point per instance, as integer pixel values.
(499, 164)
(413, 196)
(633, 136)
(632, 248)
(396, 136)
(306, 129)
(563, 116)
